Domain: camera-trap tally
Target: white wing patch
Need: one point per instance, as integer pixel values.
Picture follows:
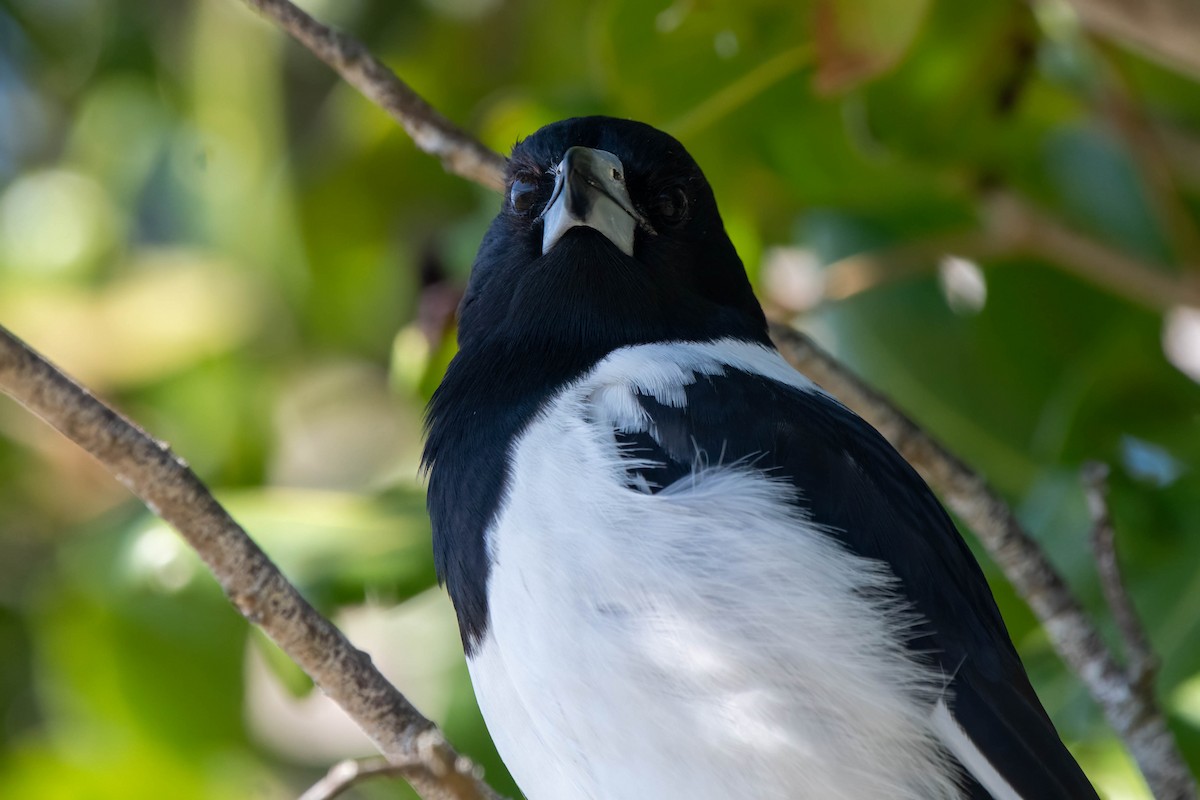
(973, 760)
(662, 370)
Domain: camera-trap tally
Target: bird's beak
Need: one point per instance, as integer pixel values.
(589, 189)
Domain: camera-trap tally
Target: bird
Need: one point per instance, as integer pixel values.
(681, 569)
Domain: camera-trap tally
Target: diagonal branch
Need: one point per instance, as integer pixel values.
(1016, 226)
(1011, 226)
(1132, 713)
(1163, 30)
(460, 153)
(1142, 664)
(1119, 102)
(166, 484)
(344, 775)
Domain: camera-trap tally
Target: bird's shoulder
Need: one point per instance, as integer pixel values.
(679, 408)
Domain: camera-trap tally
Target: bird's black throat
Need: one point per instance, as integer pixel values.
(527, 330)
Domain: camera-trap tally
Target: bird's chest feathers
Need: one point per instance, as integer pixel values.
(710, 607)
(574, 525)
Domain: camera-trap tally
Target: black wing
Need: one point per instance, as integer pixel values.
(851, 480)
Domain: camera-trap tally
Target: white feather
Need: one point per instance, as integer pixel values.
(968, 754)
(706, 642)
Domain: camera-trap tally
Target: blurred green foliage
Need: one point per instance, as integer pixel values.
(199, 221)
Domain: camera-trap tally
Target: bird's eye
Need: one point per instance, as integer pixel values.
(671, 206)
(522, 195)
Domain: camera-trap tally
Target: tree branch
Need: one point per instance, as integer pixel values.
(1142, 664)
(166, 484)
(460, 153)
(1012, 227)
(1118, 101)
(865, 271)
(1017, 226)
(345, 774)
(1163, 30)
(1132, 713)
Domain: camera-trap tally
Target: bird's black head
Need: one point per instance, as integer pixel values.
(608, 235)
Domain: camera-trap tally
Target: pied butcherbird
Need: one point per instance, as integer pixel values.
(682, 570)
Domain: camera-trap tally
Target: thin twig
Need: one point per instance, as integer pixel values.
(459, 152)
(1016, 226)
(861, 272)
(741, 91)
(1133, 714)
(166, 484)
(1120, 105)
(345, 774)
(1013, 227)
(1142, 664)
(1164, 30)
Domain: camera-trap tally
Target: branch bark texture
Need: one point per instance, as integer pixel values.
(1141, 663)
(459, 152)
(166, 484)
(344, 775)
(1133, 713)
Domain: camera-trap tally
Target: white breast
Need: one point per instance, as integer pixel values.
(702, 642)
